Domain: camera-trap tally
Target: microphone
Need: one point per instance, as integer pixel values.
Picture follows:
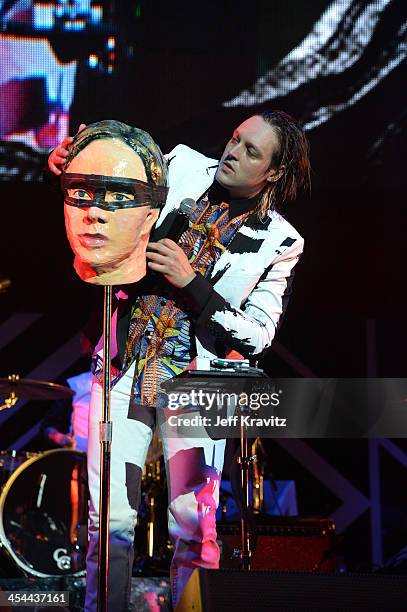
(178, 222)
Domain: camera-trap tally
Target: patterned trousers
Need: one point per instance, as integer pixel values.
(193, 467)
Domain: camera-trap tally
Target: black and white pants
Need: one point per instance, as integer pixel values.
(193, 466)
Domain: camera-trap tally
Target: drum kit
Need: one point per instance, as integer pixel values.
(44, 500)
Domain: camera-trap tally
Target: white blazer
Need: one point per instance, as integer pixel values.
(251, 278)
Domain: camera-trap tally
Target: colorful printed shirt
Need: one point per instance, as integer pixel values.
(159, 337)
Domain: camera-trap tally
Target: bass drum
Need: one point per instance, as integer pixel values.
(43, 514)
(9, 462)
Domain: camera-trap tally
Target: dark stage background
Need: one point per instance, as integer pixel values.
(190, 72)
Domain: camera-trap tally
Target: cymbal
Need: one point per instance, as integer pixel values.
(28, 389)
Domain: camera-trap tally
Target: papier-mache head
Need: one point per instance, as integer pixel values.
(114, 184)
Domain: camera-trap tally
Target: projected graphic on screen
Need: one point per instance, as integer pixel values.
(83, 60)
(36, 85)
(339, 44)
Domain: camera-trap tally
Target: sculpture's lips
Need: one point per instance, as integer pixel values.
(93, 240)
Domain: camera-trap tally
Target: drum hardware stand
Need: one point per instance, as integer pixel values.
(105, 438)
(244, 460)
(258, 476)
(152, 476)
(150, 527)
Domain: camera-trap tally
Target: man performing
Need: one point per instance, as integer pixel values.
(224, 287)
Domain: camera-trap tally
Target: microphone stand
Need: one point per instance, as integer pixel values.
(105, 438)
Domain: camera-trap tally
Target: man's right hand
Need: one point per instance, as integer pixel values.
(57, 158)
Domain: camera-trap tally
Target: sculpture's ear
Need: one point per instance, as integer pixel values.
(151, 218)
(155, 213)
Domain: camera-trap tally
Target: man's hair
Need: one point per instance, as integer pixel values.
(291, 158)
(140, 141)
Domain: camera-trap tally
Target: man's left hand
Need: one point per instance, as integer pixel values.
(168, 258)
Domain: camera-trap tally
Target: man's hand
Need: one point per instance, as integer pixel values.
(59, 438)
(58, 156)
(168, 258)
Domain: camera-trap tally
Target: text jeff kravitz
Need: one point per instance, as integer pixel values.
(231, 421)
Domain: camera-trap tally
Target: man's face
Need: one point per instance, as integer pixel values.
(103, 239)
(244, 168)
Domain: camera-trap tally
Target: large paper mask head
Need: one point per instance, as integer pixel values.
(114, 184)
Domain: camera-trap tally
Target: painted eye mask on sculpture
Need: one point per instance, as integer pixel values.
(110, 192)
(114, 184)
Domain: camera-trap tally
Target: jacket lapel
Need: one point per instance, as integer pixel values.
(193, 186)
